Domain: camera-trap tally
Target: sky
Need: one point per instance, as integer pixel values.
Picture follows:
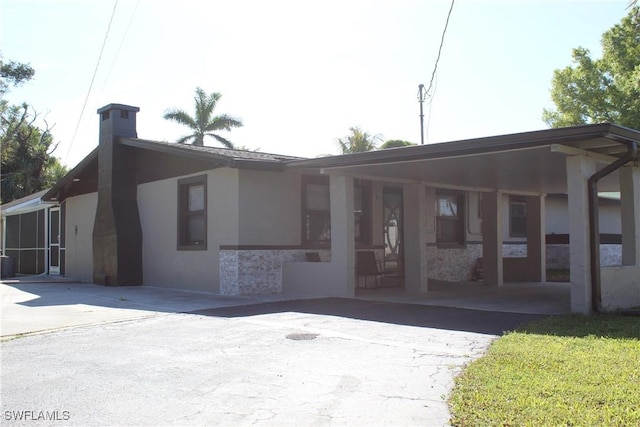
(299, 74)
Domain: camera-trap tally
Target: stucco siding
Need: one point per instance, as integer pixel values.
(620, 288)
(166, 266)
(269, 208)
(609, 219)
(558, 217)
(80, 215)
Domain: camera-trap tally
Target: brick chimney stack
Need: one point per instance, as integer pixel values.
(117, 234)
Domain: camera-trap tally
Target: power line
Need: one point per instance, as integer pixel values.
(124, 37)
(421, 90)
(430, 107)
(435, 67)
(86, 99)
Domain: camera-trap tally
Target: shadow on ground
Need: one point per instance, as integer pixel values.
(71, 303)
(449, 318)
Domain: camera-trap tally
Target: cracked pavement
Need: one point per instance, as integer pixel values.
(239, 365)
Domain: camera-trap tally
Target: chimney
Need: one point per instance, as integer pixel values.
(117, 234)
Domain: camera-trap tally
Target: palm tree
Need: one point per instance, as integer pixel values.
(358, 141)
(203, 123)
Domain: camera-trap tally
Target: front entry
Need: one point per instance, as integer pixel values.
(392, 202)
(54, 241)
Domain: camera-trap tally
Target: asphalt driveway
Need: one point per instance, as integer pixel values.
(208, 360)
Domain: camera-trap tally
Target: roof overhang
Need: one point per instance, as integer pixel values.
(195, 152)
(83, 178)
(83, 172)
(531, 162)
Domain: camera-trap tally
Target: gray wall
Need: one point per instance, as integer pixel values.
(558, 217)
(269, 208)
(163, 264)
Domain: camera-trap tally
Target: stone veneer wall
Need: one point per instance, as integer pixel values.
(453, 264)
(258, 271)
(558, 256)
(457, 264)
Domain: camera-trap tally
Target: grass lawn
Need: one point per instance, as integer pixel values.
(562, 371)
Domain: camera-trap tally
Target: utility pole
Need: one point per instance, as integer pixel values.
(421, 93)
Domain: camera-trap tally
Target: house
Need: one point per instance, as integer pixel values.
(237, 222)
(36, 236)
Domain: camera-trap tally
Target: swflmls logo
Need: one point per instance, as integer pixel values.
(37, 415)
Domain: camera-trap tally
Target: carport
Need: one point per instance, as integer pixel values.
(603, 158)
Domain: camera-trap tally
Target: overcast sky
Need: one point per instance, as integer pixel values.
(298, 73)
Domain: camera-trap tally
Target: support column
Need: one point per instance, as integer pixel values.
(343, 248)
(415, 238)
(630, 214)
(536, 236)
(579, 169)
(492, 238)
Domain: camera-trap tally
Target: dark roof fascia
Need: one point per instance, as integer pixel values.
(516, 141)
(54, 191)
(219, 160)
(618, 133)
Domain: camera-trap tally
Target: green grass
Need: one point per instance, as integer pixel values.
(561, 371)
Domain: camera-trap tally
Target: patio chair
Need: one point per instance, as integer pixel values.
(312, 257)
(478, 271)
(366, 267)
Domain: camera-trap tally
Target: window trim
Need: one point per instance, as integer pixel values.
(182, 199)
(460, 218)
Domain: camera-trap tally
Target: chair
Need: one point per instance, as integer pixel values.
(367, 266)
(478, 271)
(312, 257)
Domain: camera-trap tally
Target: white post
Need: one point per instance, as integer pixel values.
(343, 249)
(415, 238)
(579, 170)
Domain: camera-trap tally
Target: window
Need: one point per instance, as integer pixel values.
(517, 216)
(316, 211)
(450, 217)
(192, 213)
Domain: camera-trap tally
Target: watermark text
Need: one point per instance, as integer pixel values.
(35, 415)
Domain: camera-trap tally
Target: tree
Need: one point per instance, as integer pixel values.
(27, 162)
(605, 89)
(203, 123)
(14, 73)
(358, 141)
(395, 143)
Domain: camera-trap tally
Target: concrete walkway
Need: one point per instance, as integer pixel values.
(94, 355)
